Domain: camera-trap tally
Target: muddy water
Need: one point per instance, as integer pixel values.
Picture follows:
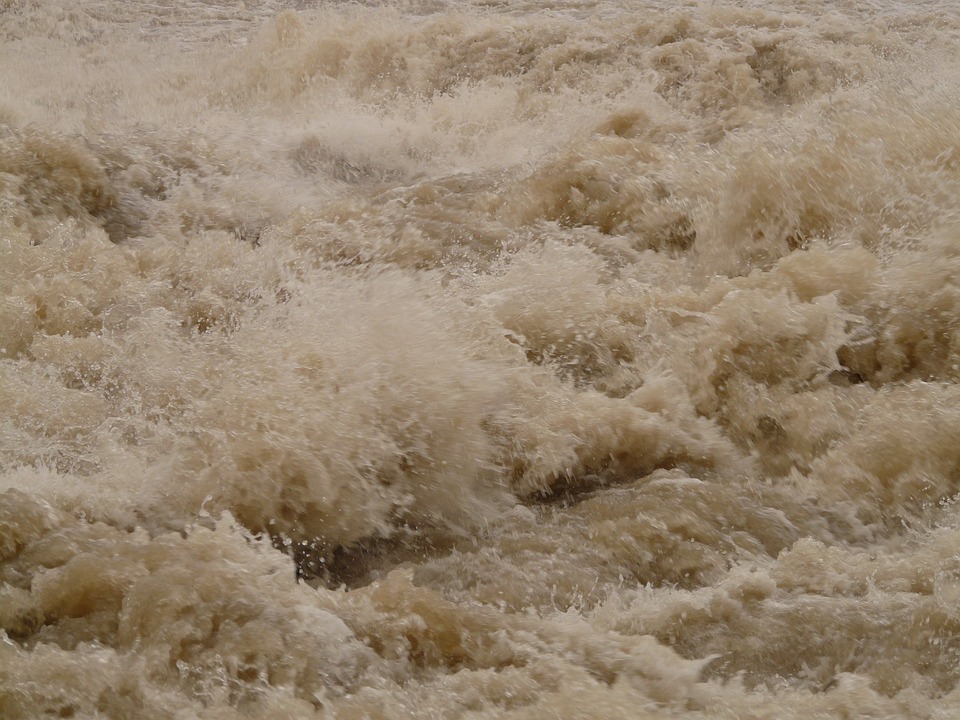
(479, 360)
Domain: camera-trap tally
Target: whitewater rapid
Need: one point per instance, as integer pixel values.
(518, 359)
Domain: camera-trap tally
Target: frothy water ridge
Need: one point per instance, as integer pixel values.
(522, 359)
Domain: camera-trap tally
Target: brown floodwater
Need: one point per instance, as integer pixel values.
(521, 359)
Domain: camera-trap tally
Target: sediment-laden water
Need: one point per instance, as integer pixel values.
(522, 359)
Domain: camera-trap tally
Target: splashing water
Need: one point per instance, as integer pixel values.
(479, 360)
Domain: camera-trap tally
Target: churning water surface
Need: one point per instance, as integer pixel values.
(494, 359)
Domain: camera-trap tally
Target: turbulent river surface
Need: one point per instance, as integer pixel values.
(479, 359)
